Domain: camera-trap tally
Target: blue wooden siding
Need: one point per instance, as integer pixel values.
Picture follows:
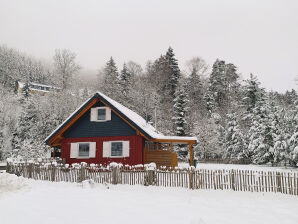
(85, 128)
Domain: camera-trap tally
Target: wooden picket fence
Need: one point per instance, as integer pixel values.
(237, 180)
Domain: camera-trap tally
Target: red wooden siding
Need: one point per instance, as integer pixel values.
(135, 153)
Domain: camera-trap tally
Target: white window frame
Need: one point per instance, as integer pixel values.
(124, 143)
(77, 145)
(79, 157)
(122, 150)
(108, 114)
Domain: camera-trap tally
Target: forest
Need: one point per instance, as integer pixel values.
(235, 119)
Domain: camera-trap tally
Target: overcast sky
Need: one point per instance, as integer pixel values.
(258, 36)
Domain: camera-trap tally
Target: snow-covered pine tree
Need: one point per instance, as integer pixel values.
(26, 90)
(293, 142)
(277, 121)
(217, 83)
(180, 111)
(175, 71)
(223, 85)
(261, 139)
(210, 102)
(234, 140)
(125, 85)
(294, 148)
(27, 136)
(111, 80)
(251, 95)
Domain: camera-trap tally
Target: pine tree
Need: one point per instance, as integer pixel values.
(27, 141)
(180, 112)
(293, 142)
(111, 80)
(280, 133)
(234, 139)
(175, 71)
(210, 102)
(252, 93)
(26, 90)
(217, 82)
(125, 82)
(223, 86)
(261, 139)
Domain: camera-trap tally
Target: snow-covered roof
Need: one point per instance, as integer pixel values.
(136, 120)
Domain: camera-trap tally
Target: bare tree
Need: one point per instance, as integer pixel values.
(65, 66)
(198, 64)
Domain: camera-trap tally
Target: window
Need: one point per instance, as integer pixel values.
(116, 149)
(84, 149)
(101, 114)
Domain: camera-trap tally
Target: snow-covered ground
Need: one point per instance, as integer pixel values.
(241, 167)
(37, 202)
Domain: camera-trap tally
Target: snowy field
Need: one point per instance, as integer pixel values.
(37, 202)
(241, 167)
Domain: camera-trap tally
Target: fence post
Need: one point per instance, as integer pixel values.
(115, 174)
(233, 180)
(278, 181)
(7, 167)
(191, 177)
(150, 174)
(30, 170)
(82, 173)
(53, 172)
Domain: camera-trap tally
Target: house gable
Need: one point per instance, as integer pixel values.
(83, 127)
(77, 123)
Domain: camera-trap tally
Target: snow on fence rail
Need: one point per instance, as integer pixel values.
(237, 180)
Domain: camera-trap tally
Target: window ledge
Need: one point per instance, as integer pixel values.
(100, 120)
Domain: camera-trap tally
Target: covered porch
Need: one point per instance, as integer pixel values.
(160, 151)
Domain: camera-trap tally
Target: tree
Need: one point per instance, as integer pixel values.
(175, 71)
(195, 88)
(180, 112)
(27, 130)
(234, 139)
(261, 138)
(252, 93)
(223, 86)
(65, 66)
(293, 142)
(111, 80)
(125, 81)
(26, 90)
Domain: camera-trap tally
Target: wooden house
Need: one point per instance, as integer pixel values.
(102, 130)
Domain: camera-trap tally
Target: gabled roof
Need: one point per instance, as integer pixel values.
(135, 120)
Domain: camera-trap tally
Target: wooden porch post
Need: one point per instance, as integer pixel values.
(171, 146)
(191, 156)
(54, 152)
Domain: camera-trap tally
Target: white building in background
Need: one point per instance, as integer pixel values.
(36, 88)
